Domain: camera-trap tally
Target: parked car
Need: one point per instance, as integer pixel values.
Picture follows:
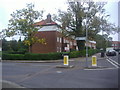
(111, 53)
(119, 52)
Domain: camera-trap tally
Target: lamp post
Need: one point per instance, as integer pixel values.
(86, 42)
(86, 11)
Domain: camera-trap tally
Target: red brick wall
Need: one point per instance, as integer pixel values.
(54, 40)
(50, 37)
(59, 42)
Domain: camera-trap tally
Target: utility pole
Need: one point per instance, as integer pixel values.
(86, 42)
(86, 38)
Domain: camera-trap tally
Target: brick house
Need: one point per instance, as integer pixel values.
(56, 42)
(116, 45)
(91, 44)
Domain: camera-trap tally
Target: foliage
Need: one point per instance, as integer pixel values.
(14, 47)
(103, 41)
(22, 23)
(82, 16)
(48, 56)
(74, 54)
(6, 56)
(34, 40)
(30, 56)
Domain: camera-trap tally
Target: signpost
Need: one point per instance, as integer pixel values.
(66, 60)
(94, 61)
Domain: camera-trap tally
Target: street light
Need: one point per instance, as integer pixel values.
(86, 38)
(86, 43)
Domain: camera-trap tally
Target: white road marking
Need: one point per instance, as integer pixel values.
(59, 71)
(112, 63)
(101, 69)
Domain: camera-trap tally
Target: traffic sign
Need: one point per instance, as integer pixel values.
(66, 60)
(94, 61)
(80, 38)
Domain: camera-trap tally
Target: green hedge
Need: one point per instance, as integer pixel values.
(82, 53)
(48, 56)
(74, 54)
(30, 56)
(12, 56)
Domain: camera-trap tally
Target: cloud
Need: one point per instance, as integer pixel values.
(9, 6)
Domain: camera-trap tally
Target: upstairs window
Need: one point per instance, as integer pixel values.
(60, 40)
(57, 39)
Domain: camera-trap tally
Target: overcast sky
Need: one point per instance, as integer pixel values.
(112, 10)
(50, 6)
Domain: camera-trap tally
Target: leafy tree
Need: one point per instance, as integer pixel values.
(103, 41)
(78, 16)
(14, 46)
(5, 45)
(22, 23)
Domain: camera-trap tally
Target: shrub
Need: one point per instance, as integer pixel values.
(12, 56)
(31, 56)
(48, 56)
(13, 52)
(74, 54)
(83, 53)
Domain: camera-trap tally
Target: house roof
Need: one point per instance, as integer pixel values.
(115, 42)
(46, 22)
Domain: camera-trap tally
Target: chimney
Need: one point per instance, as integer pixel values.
(49, 18)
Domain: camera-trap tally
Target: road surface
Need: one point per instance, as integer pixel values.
(46, 75)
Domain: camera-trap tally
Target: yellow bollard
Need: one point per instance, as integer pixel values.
(94, 61)
(66, 60)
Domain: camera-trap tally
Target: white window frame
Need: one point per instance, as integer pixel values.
(71, 43)
(60, 40)
(64, 40)
(60, 49)
(57, 39)
(57, 49)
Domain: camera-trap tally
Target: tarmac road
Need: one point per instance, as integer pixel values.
(46, 75)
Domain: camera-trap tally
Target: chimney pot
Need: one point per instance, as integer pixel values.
(49, 18)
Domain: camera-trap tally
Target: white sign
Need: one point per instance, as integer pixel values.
(80, 38)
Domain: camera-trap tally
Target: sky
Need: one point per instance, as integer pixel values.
(7, 7)
(112, 10)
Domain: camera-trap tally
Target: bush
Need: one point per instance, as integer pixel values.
(12, 56)
(48, 56)
(30, 56)
(83, 53)
(74, 54)
(14, 52)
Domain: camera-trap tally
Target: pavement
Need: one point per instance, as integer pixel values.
(8, 84)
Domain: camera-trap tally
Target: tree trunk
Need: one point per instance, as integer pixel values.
(30, 49)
